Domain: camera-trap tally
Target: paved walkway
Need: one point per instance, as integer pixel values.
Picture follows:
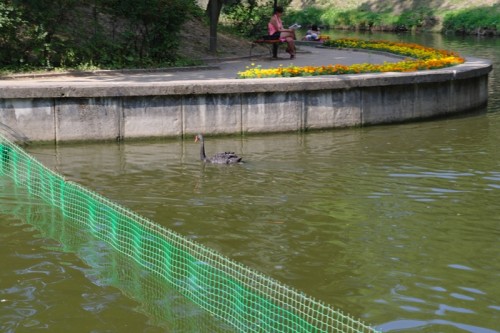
(215, 70)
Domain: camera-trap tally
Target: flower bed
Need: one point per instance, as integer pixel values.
(419, 58)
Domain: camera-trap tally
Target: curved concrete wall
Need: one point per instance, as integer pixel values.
(109, 111)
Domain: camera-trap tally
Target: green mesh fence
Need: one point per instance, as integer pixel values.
(244, 298)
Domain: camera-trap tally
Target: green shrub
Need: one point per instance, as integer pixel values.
(102, 33)
(10, 23)
(306, 17)
(249, 18)
(365, 18)
(469, 20)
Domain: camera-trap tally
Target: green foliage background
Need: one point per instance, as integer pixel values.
(80, 33)
(462, 16)
(470, 20)
(87, 34)
(249, 17)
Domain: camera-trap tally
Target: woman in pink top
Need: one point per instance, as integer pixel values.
(275, 27)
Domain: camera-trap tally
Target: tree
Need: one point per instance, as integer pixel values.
(115, 33)
(152, 26)
(214, 8)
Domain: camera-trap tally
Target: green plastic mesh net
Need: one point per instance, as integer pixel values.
(247, 300)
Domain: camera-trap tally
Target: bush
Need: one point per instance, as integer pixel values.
(249, 18)
(470, 20)
(10, 23)
(306, 17)
(102, 33)
(366, 18)
(416, 18)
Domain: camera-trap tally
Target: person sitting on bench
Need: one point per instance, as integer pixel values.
(276, 31)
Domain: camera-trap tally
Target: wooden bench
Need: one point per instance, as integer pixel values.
(271, 44)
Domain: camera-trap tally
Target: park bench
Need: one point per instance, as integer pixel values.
(271, 44)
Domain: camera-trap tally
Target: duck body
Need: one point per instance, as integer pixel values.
(218, 158)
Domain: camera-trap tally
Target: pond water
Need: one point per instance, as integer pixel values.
(398, 225)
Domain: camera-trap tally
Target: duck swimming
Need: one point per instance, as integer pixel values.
(218, 158)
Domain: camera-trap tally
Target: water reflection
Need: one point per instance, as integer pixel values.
(49, 287)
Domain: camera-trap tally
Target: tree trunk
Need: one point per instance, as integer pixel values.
(214, 8)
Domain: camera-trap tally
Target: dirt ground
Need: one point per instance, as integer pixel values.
(195, 43)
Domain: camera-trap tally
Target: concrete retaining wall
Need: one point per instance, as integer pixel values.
(109, 111)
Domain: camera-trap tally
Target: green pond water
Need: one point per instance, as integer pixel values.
(398, 225)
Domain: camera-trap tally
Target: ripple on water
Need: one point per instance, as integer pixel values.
(398, 224)
(435, 325)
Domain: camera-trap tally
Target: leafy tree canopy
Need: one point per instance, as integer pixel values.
(107, 33)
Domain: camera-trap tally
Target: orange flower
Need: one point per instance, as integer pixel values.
(421, 58)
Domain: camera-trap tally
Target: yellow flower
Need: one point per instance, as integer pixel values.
(421, 58)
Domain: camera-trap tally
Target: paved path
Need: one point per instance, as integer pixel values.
(216, 70)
